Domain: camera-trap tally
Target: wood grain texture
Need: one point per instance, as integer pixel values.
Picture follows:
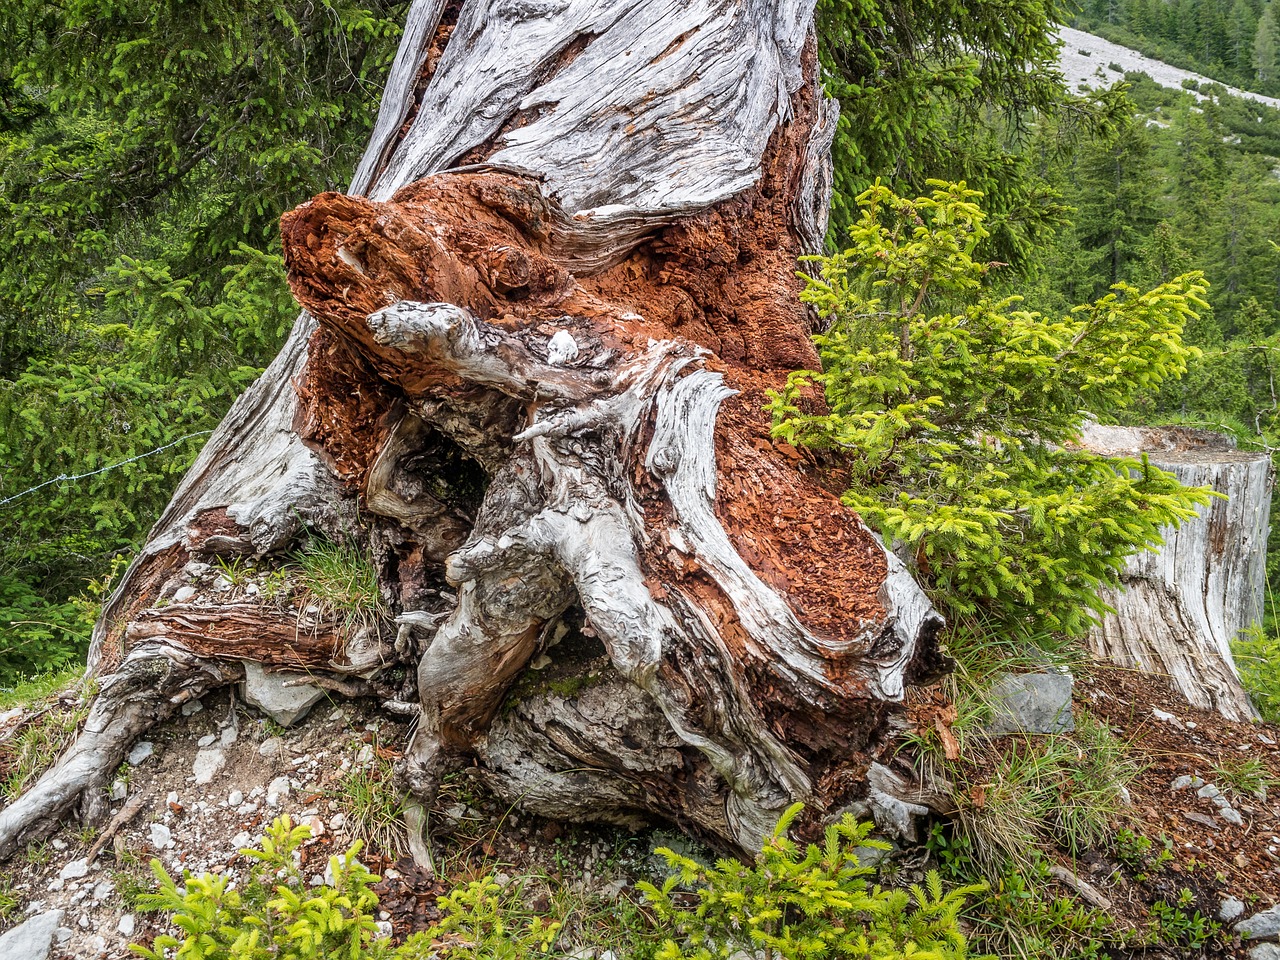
(1183, 604)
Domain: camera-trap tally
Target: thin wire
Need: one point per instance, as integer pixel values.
(63, 477)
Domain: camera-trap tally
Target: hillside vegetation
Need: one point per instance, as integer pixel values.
(1028, 256)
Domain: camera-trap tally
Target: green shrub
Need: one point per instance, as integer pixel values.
(955, 410)
(812, 903)
(1257, 657)
(276, 915)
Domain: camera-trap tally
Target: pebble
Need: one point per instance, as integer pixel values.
(161, 836)
(241, 839)
(119, 790)
(1231, 908)
(384, 928)
(235, 798)
(1209, 792)
(185, 595)
(206, 741)
(229, 735)
(191, 707)
(271, 747)
(126, 925)
(337, 822)
(63, 934)
(1231, 815)
(1185, 781)
(83, 922)
(141, 751)
(74, 870)
(56, 885)
(208, 764)
(103, 890)
(59, 844)
(279, 787)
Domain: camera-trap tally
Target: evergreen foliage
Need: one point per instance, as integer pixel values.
(146, 152)
(813, 902)
(940, 89)
(957, 409)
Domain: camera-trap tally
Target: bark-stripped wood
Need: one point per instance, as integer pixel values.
(1182, 605)
(534, 387)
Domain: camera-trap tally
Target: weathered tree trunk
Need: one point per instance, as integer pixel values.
(533, 387)
(1182, 605)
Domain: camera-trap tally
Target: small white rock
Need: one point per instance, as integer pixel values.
(83, 922)
(119, 790)
(59, 843)
(63, 934)
(74, 870)
(337, 822)
(126, 925)
(235, 798)
(141, 751)
(56, 885)
(191, 707)
(185, 595)
(206, 741)
(229, 735)
(279, 787)
(161, 836)
(208, 764)
(103, 889)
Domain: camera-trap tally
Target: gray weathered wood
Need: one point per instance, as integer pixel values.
(1183, 604)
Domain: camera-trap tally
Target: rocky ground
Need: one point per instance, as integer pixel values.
(207, 784)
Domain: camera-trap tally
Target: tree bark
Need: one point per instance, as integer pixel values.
(545, 319)
(1181, 606)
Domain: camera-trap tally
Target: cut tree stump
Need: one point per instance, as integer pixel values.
(529, 382)
(1182, 605)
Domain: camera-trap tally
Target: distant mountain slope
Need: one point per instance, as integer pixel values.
(1084, 56)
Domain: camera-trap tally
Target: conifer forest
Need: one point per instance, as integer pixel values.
(1009, 260)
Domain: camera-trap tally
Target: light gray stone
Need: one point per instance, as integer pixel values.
(126, 925)
(236, 798)
(208, 764)
(185, 595)
(141, 751)
(1264, 951)
(1231, 815)
(267, 691)
(1230, 909)
(31, 939)
(1031, 703)
(1261, 926)
(74, 870)
(279, 787)
(119, 790)
(161, 836)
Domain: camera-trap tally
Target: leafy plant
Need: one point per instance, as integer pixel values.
(481, 921)
(955, 411)
(810, 902)
(274, 914)
(1178, 925)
